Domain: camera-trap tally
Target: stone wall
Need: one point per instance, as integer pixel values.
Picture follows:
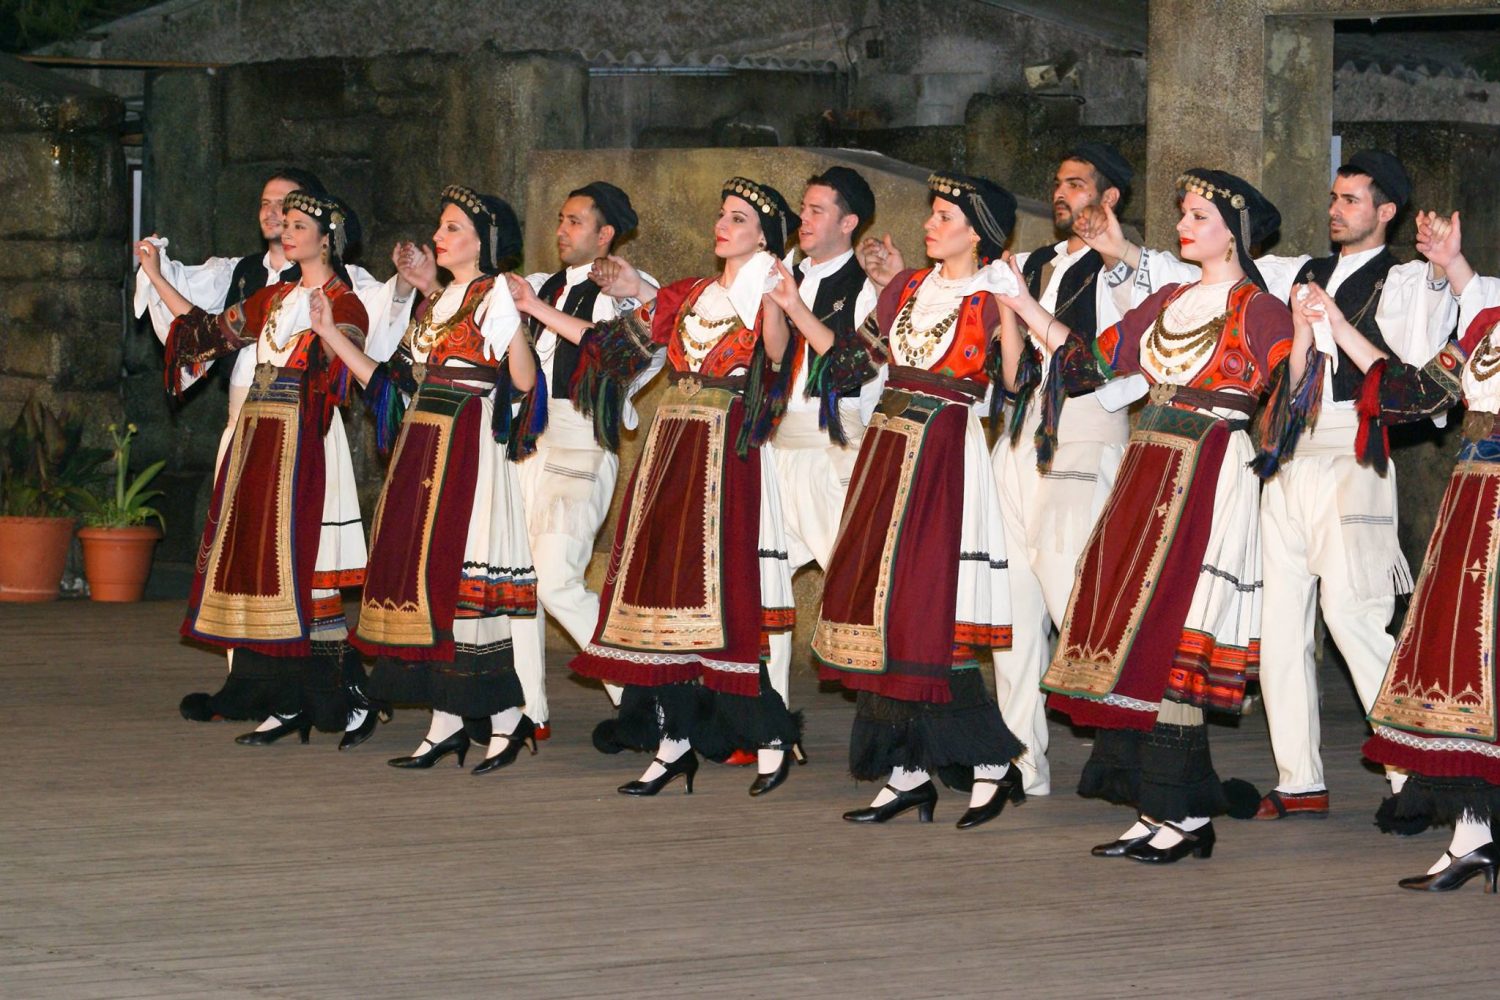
(677, 194)
(63, 227)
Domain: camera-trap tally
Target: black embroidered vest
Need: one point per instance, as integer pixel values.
(838, 292)
(249, 277)
(1358, 298)
(580, 305)
(1075, 290)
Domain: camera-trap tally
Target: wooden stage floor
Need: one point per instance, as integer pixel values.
(145, 856)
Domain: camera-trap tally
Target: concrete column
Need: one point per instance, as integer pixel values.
(1297, 126)
(1205, 98)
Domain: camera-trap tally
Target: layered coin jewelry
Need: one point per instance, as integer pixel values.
(919, 346)
(1175, 353)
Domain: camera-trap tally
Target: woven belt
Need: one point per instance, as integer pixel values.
(451, 374)
(920, 378)
(691, 382)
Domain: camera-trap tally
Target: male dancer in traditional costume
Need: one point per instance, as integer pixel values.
(1328, 519)
(818, 438)
(1052, 496)
(567, 485)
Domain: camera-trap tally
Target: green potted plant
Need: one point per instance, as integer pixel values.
(118, 538)
(45, 471)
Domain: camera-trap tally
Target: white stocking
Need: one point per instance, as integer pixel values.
(901, 780)
(669, 752)
(1469, 834)
(984, 790)
(444, 725)
(502, 724)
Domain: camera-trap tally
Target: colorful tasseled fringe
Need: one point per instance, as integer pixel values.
(1028, 377)
(387, 405)
(530, 421)
(172, 367)
(766, 394)
(824, 388)
(1287, 413)
(609, 359)
(1054, 394)
(1372, 444)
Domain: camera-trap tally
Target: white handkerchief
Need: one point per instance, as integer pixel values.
(996, 277)
(144, 291)
(755, 279)
(1322, 335)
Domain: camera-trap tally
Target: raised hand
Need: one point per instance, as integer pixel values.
(616, 277)
(880, 259)
(1099, 227)
(785, 294)
(1322, 305)
(149, 257)
(319, 312)
(1021, 302)
(1439, 238)
(521, 293)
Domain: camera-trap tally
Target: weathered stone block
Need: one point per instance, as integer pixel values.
(183, 103)
(44, 260)
(37, 99)
(61, 186)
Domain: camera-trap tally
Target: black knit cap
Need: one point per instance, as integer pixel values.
(1250, 216)
(777, 220)
(1385, 170)
(990, 209)
(494, 221)
(852, 188)
(612, 203)
(1107, 160)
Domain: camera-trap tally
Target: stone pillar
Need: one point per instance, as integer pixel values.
(1298, 126)
(63, 232)
(1205, 95)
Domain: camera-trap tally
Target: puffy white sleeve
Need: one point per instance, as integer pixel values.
(205, 285)
(1416, 314)
(388, 315)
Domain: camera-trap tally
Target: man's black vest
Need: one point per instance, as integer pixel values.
(833, 305)
(580, 305)
(1075, 290)
(249, 277)
(1358, 298)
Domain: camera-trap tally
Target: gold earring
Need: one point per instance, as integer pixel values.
(974, 252)
(1229, 254)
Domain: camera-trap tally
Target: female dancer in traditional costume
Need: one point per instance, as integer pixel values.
(449, 561)
(915, 595)
(1436, 715)
(1164, 619)
(698, 584)
(283, 531)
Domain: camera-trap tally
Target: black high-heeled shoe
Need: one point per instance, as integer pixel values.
(523, 735)
(1007, 790)
(923, 798)
(1199, 843)
(299, 723)
(770, 781)
(457, 743)
(1117, 848)
(1485, 860)
(686, 765)
(354, 737)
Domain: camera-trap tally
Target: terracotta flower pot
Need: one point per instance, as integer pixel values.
(33, 551)
(117, 561)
